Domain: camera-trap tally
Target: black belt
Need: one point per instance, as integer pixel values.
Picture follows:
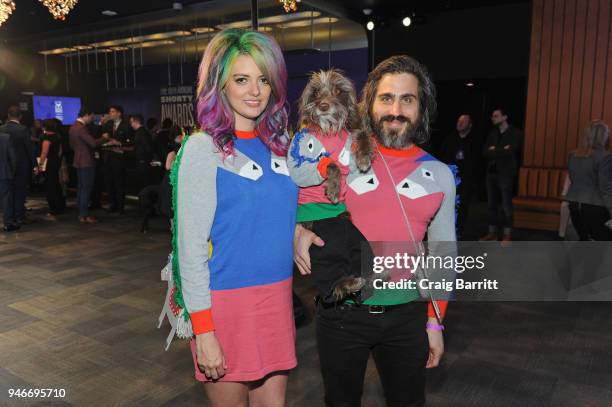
(372, 309)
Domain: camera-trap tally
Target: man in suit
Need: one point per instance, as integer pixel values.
(500, 150)
(143, 145)
(7, 173)
(114, 158)
(83, 145)
(25, 163)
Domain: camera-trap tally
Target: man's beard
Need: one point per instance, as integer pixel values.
(392, 138)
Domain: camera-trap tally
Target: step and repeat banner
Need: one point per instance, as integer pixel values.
(178, 104)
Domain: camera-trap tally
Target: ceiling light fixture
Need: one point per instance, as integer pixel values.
(202, 30)
(289, 5)
(109, 13)
(59, 9)
(142, 38)
(282, 18)
(6, 9)
(306, 23)
(407, 21)
(469, 84)
(57, 51)
(150, 44)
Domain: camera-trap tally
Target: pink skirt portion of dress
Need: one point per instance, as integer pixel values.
(255, 328)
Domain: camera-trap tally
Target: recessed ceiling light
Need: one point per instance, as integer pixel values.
(306, 23)
(109, 13)
(202, 30)
(469, 84)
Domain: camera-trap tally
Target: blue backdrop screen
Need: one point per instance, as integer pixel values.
(63, 108)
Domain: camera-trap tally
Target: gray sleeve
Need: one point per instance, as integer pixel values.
(196, 204)
(441, 235)
(605, 182)
(302, 169)
(442, 227)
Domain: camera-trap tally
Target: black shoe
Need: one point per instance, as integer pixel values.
(11, 227)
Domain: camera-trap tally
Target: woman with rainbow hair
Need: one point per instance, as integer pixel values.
(232, 189)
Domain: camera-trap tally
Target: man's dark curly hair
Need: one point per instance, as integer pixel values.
(427, 94)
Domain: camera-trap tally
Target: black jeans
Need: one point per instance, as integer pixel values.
(398, 342)
(145, 175)
(499, 191)
(589, 221)
(19, 190)
(114, 177)
(7, 202)
(86, 177)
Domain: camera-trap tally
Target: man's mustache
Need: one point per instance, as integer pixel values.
(390, 118)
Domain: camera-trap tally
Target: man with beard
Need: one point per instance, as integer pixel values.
(460, 149)
(500, 150)
(406, 194)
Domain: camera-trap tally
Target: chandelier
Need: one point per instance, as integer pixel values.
(59, 9)
(289, 5)
(6, 8)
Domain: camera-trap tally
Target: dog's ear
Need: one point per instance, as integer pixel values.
(348, 87)
(353, 121)
(306, 99)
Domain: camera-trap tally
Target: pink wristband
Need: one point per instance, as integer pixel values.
(434, 327)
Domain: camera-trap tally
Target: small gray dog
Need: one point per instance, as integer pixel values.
(328, 109)
(329, 102)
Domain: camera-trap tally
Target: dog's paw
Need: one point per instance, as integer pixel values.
(363, 148)
(332, 184)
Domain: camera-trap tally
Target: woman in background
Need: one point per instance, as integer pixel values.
(590, 191)
(49, 164)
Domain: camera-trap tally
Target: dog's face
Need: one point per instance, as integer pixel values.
(329, 102)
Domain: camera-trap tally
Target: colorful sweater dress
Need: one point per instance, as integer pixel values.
(246, 206)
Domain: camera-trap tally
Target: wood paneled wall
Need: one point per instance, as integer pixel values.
(570, 77)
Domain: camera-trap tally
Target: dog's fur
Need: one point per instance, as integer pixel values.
(338, 92)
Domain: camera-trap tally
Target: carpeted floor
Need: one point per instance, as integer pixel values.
(79, 307)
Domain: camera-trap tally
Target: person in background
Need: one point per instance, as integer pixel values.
(460, 148)
(49, 164)
(25, 163)
(143, 146)
(83, 145)
(152, 125)
(36, 132)
(96, 130)
(162, 140)
(8, 164)
(159, 196)
(590, 184)
(500, 150)
(118, 129)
